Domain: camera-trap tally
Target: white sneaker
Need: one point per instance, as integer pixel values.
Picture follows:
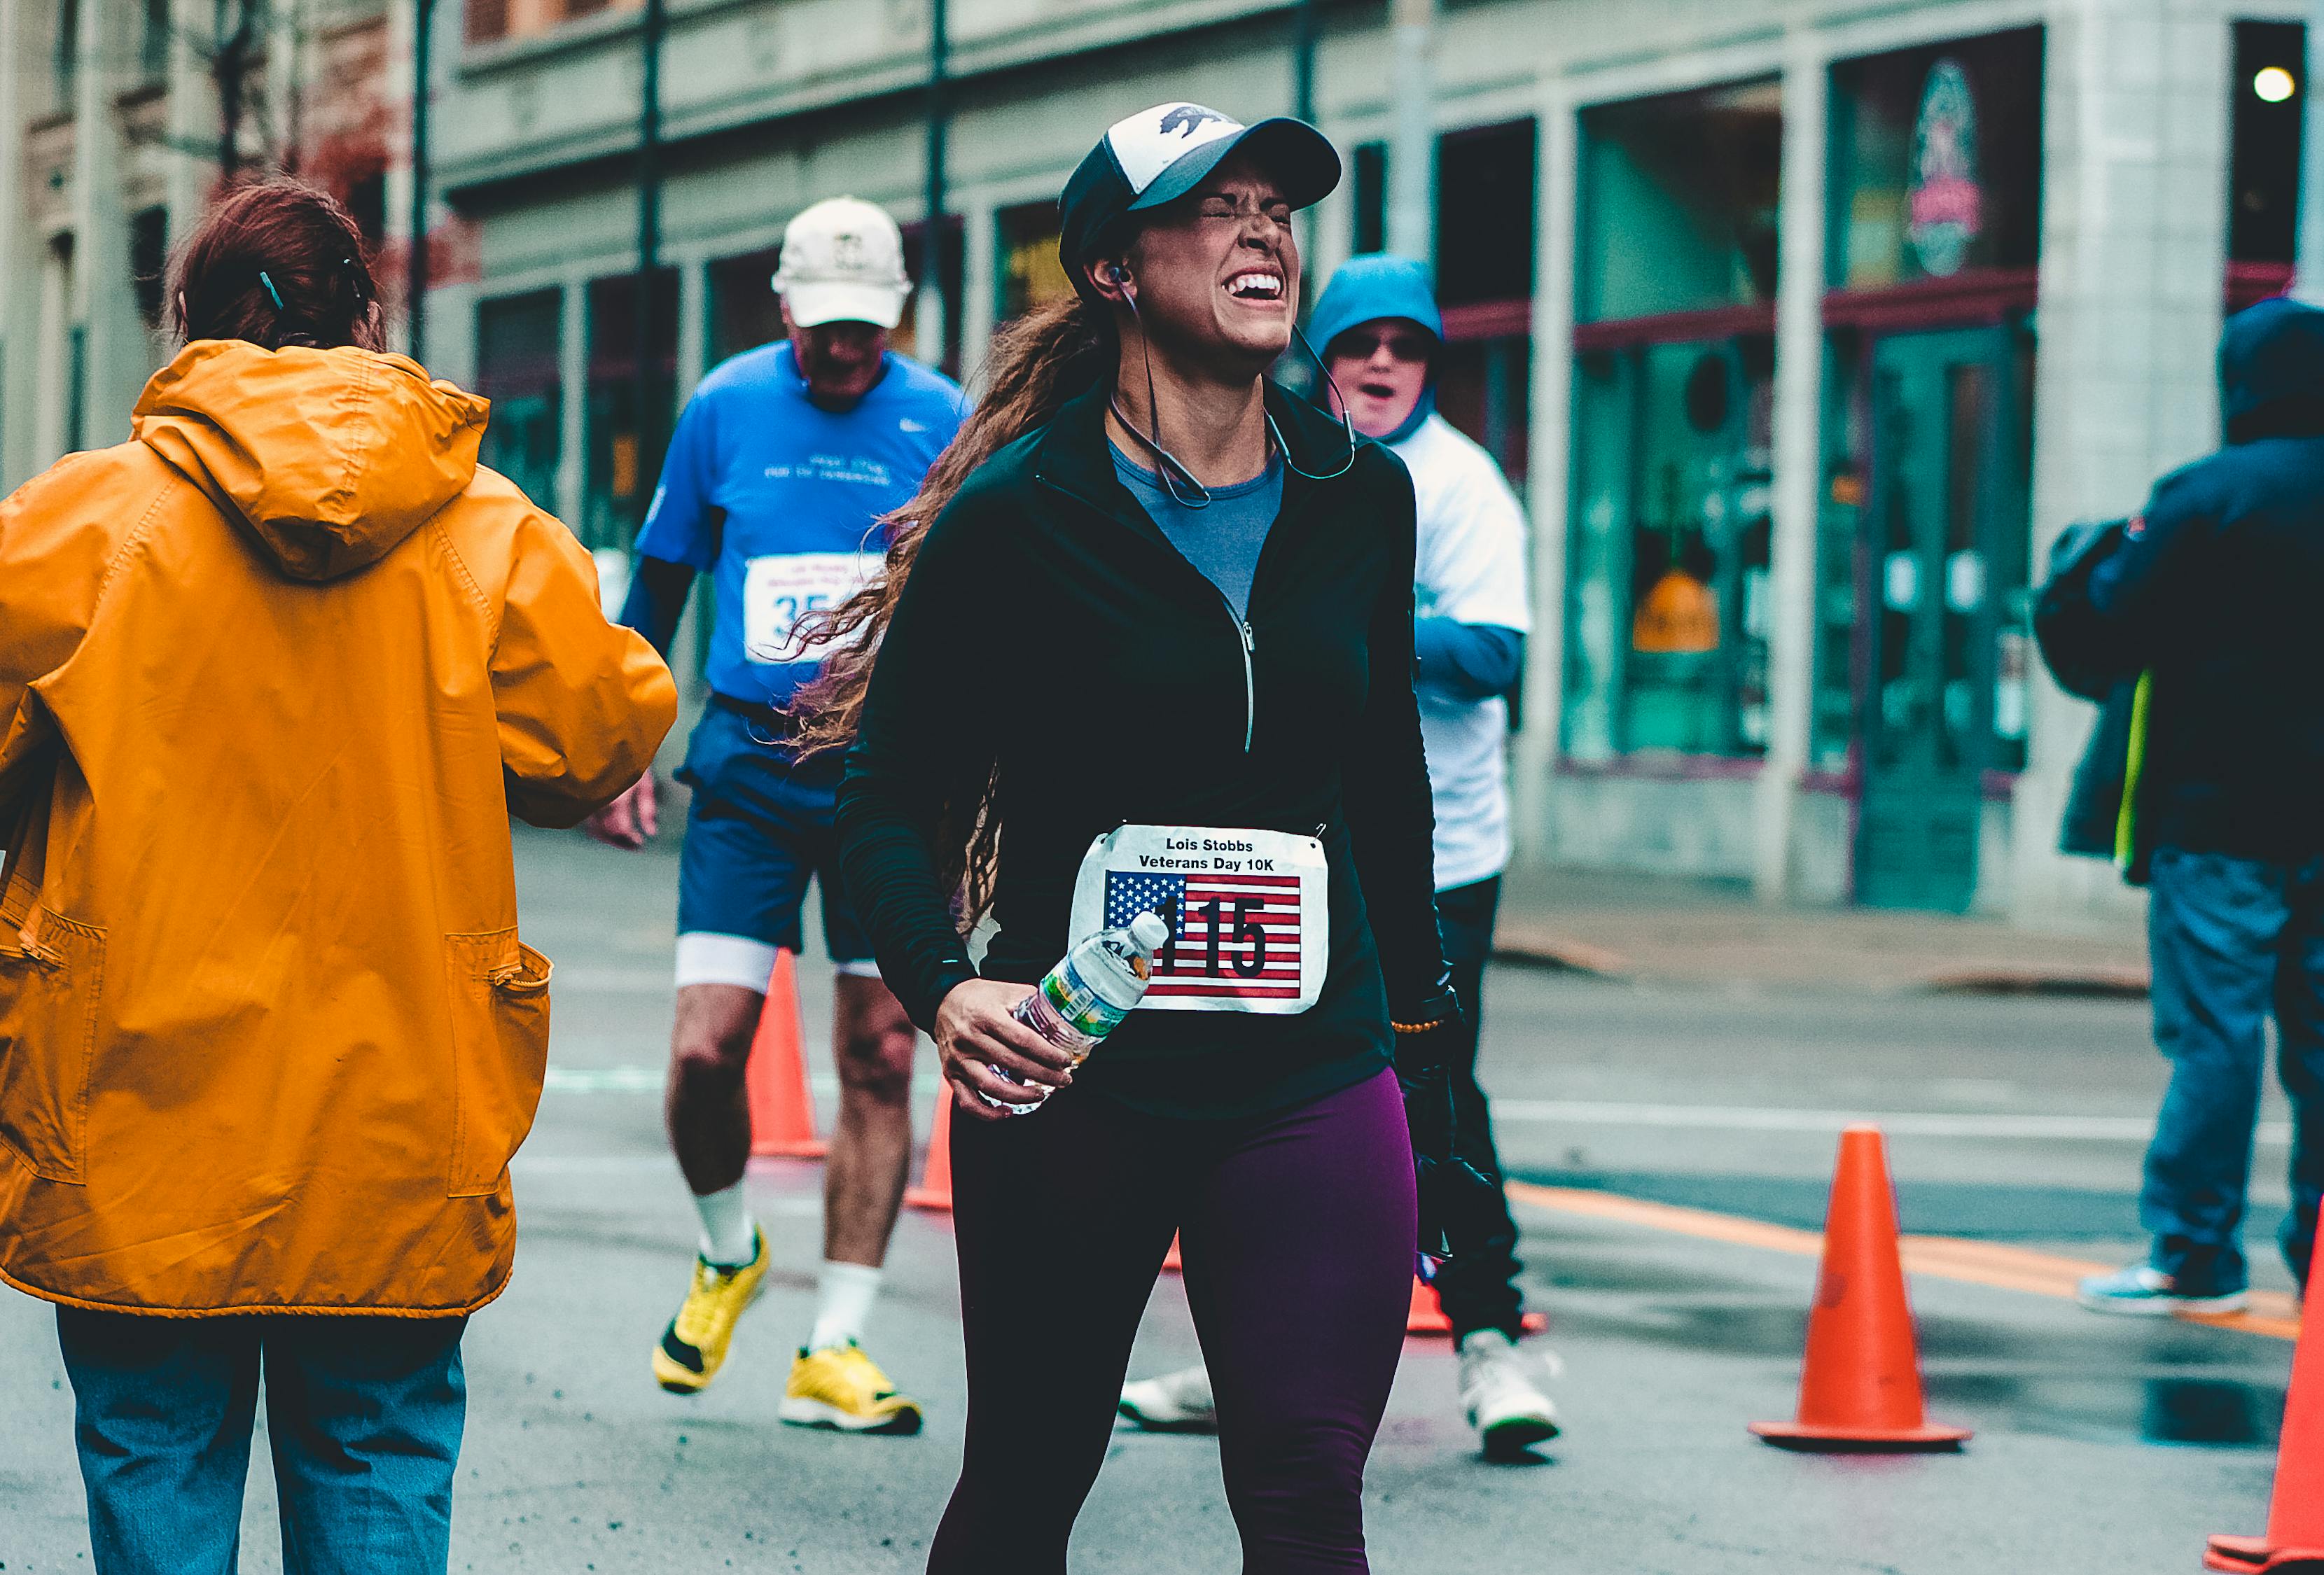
(1499, 1392)
(1178, 1402)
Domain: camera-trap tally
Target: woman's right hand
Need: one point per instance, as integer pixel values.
(975, 1034)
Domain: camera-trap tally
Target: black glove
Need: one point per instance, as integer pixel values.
(1460, 1195)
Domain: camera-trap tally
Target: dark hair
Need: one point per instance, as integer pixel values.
(277, 262)
(1037, 363)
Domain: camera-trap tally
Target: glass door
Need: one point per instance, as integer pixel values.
(1946, 528)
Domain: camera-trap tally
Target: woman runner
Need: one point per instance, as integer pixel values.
(1155, 651)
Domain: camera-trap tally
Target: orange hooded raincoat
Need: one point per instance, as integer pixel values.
(272, 675)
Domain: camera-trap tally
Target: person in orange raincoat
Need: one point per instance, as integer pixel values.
(273, 675)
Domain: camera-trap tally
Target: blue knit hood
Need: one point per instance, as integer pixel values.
(1374, 286)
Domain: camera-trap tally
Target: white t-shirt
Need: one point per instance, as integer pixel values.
(1471, 570)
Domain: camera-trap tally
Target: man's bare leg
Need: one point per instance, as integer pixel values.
(707, 1105)
(870, 1152)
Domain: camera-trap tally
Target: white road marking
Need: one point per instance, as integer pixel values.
(649, 1080)
(1896, 1124)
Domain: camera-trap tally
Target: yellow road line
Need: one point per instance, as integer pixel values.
(1944, 1257)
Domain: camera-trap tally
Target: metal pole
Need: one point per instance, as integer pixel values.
(1412, 147)
(644, 395)
(933, 312)
(1302, 61)
(416, 261)
(2308, 273)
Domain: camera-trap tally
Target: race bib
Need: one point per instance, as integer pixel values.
(1247, 911)
(779, 590)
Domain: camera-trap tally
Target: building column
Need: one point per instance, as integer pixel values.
(18, 265)
(1549, 486)
(2133, 213)
(693, 326)
(113, 345)
(1797, 459)
(979, 290)
(572, 397)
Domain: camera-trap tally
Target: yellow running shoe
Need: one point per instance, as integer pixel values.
(840, 1387)
(694, 1347)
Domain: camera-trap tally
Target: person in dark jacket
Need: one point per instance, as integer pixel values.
(1156, 650)
(2215, 592)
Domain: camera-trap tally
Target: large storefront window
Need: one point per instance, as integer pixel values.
(745, 312)
(623, 456)
(1484, 283)
(1030, 274)
(1937, 160)
(2269, 96)
(516, 369)
(1673, 418)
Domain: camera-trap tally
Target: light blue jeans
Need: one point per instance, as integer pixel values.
(363, 1414)
(2233, 942)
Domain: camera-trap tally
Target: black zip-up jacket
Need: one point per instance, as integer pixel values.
(1051, 635)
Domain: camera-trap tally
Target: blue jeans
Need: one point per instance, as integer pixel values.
(363, 1414)
(2232, 941)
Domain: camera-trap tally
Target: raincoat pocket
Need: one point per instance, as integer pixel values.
(51, 978)
(499, 1053)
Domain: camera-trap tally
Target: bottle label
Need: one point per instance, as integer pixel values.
(1083, 1010)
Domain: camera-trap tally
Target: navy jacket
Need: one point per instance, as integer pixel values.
(2217, 588)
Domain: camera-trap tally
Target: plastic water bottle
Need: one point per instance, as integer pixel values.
(1085, 996)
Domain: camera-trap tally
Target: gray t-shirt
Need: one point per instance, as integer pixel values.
(1223, 540)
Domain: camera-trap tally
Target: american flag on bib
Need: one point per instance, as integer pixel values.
(1232, 937)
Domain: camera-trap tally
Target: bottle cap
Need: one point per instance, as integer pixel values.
(1150, 932)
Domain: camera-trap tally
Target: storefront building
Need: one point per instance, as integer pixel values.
(1802, 326)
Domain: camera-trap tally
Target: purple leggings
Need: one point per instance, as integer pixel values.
(1297, 1231)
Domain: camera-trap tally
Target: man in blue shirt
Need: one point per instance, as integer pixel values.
(783, 464)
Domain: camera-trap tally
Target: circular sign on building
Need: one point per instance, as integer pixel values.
(1944, 203)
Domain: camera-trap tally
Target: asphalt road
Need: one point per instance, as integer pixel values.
(2101, 1444)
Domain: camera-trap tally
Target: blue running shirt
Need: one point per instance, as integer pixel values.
(800, 488)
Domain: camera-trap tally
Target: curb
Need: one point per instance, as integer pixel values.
(1559, 953)
(2120, 982)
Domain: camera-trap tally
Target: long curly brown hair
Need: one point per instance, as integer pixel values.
(1037, 363)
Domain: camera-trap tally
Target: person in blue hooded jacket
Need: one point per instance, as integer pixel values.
(1380, 332)
(2213, 591)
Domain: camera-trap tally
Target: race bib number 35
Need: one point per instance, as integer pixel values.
(778, 590)
(1249, 926)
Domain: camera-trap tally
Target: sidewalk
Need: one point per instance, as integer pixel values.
(1667, 930)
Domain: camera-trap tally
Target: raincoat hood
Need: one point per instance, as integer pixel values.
(2272, 371)
(328, 458)
(1367, 289)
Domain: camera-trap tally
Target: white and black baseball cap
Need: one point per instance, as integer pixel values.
(1160, 154)
(842, 261)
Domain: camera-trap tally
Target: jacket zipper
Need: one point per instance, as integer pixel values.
(1243, 632)
(1250, 682)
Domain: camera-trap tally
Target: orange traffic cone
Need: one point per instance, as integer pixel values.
(782, 1110)
(1426, 1315)
(1427, 1312)
(2295, 1515)
(935, 1190)
(1860, 1388)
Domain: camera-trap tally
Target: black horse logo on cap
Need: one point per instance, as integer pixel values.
(1187, 118)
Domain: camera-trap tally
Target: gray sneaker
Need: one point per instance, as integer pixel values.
(1178, 1402)
(2144, 1291)
(1500, 1394)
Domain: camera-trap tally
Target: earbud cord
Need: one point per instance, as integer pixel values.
(1166, 461)
(1169, 462)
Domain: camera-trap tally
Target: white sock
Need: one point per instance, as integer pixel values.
(729, 1236)
(843, 1301)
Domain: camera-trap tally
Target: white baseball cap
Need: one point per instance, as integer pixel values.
(843, 262)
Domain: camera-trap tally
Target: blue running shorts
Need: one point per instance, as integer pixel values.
(759, 826)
